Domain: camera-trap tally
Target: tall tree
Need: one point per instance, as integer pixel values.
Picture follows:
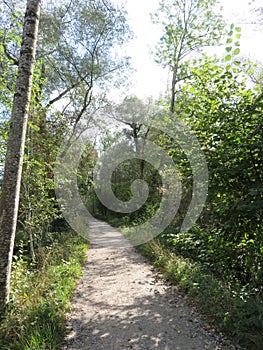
(79, 42)
(77, 53)
(188, 26)
(75, 62)
(15, 148)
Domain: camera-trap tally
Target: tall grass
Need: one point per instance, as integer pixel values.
(40, 296)
(224, 305)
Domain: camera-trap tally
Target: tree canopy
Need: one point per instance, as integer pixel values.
(205, 134)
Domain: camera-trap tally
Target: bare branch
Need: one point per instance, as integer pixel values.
(9, 56)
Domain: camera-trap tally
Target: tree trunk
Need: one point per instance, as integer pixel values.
(15, 147)
(174, 81)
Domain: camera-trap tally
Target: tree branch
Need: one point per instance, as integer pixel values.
(9, 56)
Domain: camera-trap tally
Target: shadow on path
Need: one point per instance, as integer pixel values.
(120, 303)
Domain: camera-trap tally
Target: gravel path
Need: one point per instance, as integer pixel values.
(121, 303)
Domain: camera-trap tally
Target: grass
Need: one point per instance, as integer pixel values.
(40, 297)
(224, 305)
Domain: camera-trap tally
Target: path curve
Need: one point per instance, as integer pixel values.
(121, 303)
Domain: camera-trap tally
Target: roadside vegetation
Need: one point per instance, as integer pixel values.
(218, 262)
(227, 307)
(74, 65)
(41, 294)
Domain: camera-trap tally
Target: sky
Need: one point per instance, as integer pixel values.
(149, 78)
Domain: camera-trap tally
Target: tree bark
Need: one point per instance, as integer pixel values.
(172, 104)
(15, 148)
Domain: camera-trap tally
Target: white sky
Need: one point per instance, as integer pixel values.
(150, 79)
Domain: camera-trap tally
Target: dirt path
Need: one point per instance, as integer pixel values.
(121, 303)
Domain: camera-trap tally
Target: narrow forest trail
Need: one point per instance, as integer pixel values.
(121, 303)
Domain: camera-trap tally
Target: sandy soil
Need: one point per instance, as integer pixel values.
(122, 303)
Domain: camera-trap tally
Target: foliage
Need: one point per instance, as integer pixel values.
(73, 61)
(227, 118)
(135, 119)
(219, 261)
(188, 27)
(225, 306)
(69, 63)
(40, 298)
(226, 114)
(10, 42)
(38, 205)
(77, 40)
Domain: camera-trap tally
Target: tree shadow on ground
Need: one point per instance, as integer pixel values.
(159, 320)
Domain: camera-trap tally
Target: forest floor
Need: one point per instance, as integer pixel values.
(122, 302)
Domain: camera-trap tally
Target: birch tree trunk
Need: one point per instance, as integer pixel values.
(15, 147)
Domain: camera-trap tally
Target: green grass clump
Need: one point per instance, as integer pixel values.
(40, 296)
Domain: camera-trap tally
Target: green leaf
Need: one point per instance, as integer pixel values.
(238, 36)
(229, 49)
(236, 51)
(228, 58)
(237, 63)
(238, 29)
(32, 126)
(229, 40)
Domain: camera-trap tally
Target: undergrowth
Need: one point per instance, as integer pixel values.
(225, 305)
(40, 296)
